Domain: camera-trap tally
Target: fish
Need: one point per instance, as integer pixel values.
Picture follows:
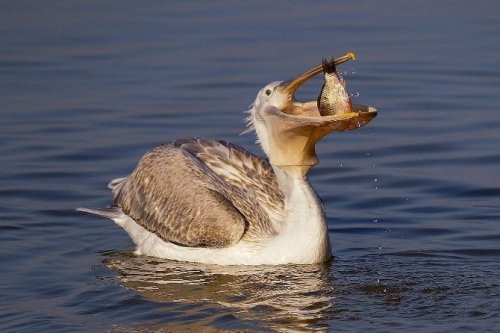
(333, 98)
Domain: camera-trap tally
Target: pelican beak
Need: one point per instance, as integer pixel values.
(295, 128)
(293, 137)
(292, 86)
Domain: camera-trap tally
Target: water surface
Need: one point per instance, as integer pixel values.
(413, 199)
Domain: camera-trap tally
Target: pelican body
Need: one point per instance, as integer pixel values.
(214, 202)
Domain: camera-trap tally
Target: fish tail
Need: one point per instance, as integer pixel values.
(329, 66)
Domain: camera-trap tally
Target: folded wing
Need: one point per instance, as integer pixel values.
(202, 194)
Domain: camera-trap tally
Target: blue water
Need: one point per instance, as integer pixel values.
(413, 199)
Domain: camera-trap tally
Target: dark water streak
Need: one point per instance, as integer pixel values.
(413, 200)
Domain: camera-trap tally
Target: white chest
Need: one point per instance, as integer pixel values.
(304, 237)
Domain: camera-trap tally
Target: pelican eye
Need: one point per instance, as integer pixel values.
(268, 92)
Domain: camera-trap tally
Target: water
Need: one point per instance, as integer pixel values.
(413, 199)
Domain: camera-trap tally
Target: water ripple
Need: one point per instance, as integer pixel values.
(412, 200)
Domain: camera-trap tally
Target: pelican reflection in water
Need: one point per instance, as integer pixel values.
(214, 202)
(286, 298)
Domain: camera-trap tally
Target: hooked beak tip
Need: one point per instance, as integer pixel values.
(293, 85)
(351, 55)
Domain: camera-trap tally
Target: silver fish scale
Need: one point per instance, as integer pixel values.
(333, 98)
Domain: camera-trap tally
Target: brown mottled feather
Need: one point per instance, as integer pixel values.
(203, 193)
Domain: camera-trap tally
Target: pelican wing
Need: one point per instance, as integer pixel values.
(248, 181)
(202, 193)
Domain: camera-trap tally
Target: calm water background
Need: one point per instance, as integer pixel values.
(413, 199)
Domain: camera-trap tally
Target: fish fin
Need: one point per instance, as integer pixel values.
(318, 101)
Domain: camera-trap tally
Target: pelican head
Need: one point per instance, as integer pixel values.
(288, 130)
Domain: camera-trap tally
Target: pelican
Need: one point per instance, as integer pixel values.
(214, 202)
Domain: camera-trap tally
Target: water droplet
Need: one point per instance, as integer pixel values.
(375, 179)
